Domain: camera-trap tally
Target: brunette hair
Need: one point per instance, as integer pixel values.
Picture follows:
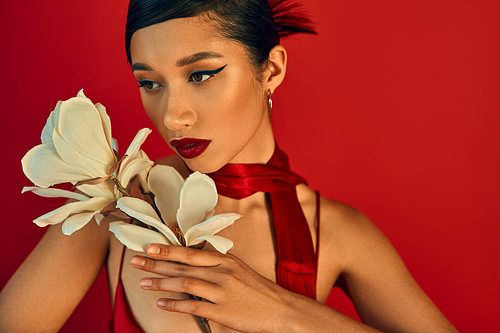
(256, 24)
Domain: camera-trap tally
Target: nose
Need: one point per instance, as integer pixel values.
(178, 112)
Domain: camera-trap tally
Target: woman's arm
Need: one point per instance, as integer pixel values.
(383, 291)
(50, 283)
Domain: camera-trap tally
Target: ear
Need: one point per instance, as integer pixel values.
(276, 68)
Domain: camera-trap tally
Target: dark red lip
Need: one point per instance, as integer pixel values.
(190, 148)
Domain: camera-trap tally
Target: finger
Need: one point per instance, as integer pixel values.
(186, 255)
(168, 268)
(218, 275)
(193, 307)
(186, 285)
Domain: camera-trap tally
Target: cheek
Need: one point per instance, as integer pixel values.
(155, 112)
(231, 107)
(151, 106)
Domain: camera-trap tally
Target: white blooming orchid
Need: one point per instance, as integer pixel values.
(184, 207)
(77, 147)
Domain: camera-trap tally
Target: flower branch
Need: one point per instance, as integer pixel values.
(119, 186)
(77, 148)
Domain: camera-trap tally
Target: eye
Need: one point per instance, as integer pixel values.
(199, 77)
(149, 86)
(202, 76)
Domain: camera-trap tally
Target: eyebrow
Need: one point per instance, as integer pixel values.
(139, 66)
(197, 57)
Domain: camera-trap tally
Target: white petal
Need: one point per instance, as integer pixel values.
(60, 214)
(81, 94)
(142, 211)
(76, 222)
(166, 183)
(198, 196)
(104, 189)
(44, 167)
(143, 175)
(51, 123)
(138, 209)
(114, 144)
(77, 158)
(142, 154)
(55, 193)
(132, 169)
(139, 139)
(106, 122)
(136, 238)
(98, 218)
(211, 226)
(133, 150)
(79, 137)
(221, 244)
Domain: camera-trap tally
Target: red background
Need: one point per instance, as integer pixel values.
(393, 109)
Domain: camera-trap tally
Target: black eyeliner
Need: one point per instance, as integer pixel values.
(210, 72)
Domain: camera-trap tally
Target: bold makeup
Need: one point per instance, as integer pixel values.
(190, 147)
(198, 75)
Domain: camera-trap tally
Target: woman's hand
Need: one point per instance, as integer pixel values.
(236, 296)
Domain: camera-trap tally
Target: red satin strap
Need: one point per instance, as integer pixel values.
(297, 265)
(122, 320)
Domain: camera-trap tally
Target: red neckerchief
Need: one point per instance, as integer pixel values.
(297, 265)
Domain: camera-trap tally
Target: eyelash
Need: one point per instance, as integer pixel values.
(210, 73)
(143, 83)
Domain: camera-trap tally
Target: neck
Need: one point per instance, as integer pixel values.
(242, 206)
(260, 148)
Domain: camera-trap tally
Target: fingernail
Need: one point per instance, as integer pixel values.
(161, 303)
(153, 249)
(146, 283)
(137, 261)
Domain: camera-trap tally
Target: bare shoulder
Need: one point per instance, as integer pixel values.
(385, 294)
(345, 233)
(342, 228)
(334, 214)
(345, 225)
(338, 220)
(357, 241)
(341, 214)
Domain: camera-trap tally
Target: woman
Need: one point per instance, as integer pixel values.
(207, 71)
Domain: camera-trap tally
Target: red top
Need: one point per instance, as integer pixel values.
(122, 320)
(297, 262)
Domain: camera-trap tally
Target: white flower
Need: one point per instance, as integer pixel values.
(183, 205)
(77, 147)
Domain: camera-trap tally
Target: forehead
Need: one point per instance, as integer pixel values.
(174, 39)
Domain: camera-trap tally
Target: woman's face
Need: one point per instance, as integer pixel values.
(201, 94)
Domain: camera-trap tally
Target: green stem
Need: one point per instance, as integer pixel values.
(119, 185)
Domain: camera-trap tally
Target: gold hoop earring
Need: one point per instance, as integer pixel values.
(270, 100)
